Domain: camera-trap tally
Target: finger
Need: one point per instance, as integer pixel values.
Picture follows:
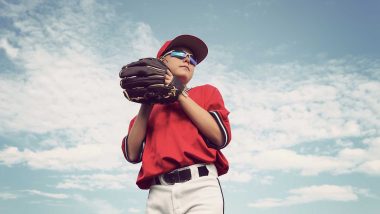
(169, 73)
(167, 81)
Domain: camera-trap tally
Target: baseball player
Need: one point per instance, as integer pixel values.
(179, 143)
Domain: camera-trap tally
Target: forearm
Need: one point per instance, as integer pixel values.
(202, 119)
(138, 131)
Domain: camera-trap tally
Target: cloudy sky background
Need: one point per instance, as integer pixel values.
(301, 79)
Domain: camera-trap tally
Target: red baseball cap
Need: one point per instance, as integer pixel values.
(196, 45)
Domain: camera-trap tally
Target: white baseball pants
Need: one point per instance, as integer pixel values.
(200, 195)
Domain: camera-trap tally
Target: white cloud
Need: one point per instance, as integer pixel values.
(98, 181)
(267, 180)
(322, 100)
(71, 93)
(278, 50)
(134, 210)
(61, 204)
(347, 160)
(46, 194)
(87, 4)
(7, 196)
(237, 176)
(277, 107)
(70, 83)
(286, 160)
(10, 9)
(354, 155)
(8, 48)
(97, 205)
(94, 204)
(67, 84)
(10, 156)
(370, 167)
(80, 157)
(311, 194)
(143, 41)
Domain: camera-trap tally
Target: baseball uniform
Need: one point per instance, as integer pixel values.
(173, 141)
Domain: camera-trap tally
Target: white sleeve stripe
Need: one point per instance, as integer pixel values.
(221, 125)
(125, 146)
(126, 151)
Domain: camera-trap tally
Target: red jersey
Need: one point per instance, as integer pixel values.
(172, 141)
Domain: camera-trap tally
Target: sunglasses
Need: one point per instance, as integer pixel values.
(182, 55)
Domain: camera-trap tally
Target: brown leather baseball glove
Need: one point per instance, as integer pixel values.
(143, 81)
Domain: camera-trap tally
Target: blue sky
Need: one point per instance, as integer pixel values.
(301, 79)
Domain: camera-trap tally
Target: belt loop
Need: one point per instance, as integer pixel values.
(203, 171)
(157, 180)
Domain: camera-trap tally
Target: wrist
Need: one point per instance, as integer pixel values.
(183, 95)
(146, 108)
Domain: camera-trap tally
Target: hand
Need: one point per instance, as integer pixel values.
(168, 77)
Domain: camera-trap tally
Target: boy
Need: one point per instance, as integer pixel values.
(179, 144)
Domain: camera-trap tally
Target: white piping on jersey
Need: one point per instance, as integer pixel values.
(126, 151)
(216, 115)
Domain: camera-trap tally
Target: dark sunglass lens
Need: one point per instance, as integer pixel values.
(193, 61)
(178, 54)
(182, 55)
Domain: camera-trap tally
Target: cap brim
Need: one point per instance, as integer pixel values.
(196, 45)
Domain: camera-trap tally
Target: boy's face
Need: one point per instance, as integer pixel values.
(181, 68)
